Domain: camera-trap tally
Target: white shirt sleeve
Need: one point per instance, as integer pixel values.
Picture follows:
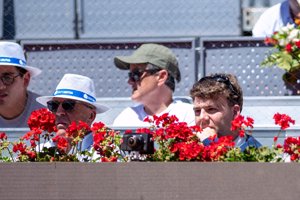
(269, 22)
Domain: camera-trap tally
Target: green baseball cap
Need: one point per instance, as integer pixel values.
(155, 54)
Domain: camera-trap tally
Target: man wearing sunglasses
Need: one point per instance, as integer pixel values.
(16, 102)
(153, 70)
(74, 100)
(217, 100)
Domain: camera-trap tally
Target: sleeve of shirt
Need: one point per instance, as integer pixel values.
(268, 22)
(208, 141)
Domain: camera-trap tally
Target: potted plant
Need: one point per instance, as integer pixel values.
(285, 54)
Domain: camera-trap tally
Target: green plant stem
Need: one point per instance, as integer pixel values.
(39, 149)
(11, 155)
(278, 134)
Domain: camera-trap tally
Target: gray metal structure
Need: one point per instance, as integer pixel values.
(44, 19)
(94, 58)
(156, 18)
(1, 18)
(242, 56)
(56, 19)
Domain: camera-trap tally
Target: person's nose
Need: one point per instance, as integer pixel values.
(203, 119)
(60, 110)
(2, 85)
(130, 81)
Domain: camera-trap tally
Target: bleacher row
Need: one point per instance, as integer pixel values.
(196, 56)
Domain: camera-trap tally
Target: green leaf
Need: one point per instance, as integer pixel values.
(285, 61)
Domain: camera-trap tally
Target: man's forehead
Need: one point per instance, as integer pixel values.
(209, 101)
(8, 69)
(60, 99)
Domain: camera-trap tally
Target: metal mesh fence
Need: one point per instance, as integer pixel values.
(240, 56)
(74, 19)
(95, 59)
(243, 56)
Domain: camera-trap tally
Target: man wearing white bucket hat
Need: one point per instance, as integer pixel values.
(74, 100)
(16, 102)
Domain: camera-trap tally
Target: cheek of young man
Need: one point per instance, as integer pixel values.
(218, 117)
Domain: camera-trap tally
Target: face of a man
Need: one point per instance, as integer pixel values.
(145, 88)
(80, 112)
(13, 97)
(215, 114)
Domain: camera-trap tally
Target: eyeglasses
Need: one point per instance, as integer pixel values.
(136, 75)
(8, 79)
(220, 79)
(67, 105)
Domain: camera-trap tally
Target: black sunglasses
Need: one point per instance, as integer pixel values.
(67, 105)
(8, 79)
(220, 79)
(136, 75)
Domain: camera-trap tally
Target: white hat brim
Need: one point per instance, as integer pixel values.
(32, 70)
(99, 107)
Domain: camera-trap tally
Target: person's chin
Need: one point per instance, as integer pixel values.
(2, 99)
(135, 97)
(61, 126)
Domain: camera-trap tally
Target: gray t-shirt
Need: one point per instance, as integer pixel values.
(21, 120)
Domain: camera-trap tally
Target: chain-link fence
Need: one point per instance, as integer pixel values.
(73, 19)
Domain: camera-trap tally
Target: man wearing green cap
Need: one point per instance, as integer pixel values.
(153, 70)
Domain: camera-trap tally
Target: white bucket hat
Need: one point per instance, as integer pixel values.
(12, 54)
(77, 87)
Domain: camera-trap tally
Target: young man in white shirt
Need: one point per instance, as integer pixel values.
(276, 17)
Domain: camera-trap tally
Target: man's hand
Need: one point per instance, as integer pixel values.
(62, 133)
(206, 133)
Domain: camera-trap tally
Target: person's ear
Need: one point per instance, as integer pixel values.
(92, 116)
(162, 76)
(236, 110)
(26, 78)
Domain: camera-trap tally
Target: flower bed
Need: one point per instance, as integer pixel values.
(175, 142)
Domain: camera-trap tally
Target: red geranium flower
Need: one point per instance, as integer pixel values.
(42, 119)
(240, 123)
(283, 120)
(61, 143)
(3, 136)
(292, 147)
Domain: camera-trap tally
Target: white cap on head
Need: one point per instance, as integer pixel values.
(11, 54)
(76, 87)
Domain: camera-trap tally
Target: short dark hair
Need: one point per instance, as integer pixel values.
(21, 71)
(170, 82)
(219, 84)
